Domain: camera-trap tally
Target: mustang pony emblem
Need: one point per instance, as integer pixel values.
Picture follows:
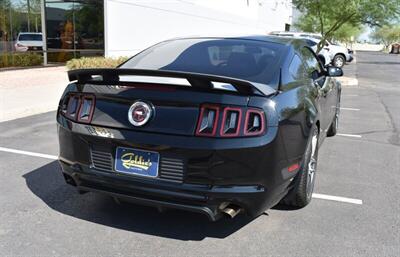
(130, 160)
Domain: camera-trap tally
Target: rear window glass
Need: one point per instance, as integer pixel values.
(256, 61)
(30, 37)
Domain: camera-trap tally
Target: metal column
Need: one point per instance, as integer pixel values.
(44, 34)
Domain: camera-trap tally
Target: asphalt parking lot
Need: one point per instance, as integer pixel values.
(356, 211)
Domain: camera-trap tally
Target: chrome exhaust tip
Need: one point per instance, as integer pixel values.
(231, 210)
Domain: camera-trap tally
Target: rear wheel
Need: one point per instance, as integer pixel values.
(301, 193)
(335, 123)
(339, 61)
(334, 126)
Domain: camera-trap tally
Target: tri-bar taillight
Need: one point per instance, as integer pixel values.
(228, 121)
(79, 107)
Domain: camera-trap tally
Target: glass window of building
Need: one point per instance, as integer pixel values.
(18, 17)
(74, 29)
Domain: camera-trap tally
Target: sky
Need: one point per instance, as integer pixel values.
(366, 35)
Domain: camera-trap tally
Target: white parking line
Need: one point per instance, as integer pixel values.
(349, 95)
(337, 198)
(349, 109)
(46, 156)
(53, 157)
(349, 135)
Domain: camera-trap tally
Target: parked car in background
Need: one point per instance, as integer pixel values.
(210, 125)
(339, 55)
(323, 55)
(29, 41)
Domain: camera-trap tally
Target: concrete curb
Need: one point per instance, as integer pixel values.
(31, 67)
(348, 81)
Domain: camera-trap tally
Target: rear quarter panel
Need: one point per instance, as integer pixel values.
(297, 112)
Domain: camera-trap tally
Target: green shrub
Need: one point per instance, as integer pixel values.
(20, 59)
(95, 62)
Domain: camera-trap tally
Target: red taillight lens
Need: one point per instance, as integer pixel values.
(232, 124)
(208, 121)
(78, 107)
(254, 123)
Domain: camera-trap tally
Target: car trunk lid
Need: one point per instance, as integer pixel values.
(175, 97)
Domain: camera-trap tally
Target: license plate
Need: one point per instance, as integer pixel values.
(136, 162)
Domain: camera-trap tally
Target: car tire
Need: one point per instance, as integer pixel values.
(301, 193)
(333, 128)
(339, 61)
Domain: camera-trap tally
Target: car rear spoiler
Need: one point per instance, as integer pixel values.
(196, 80)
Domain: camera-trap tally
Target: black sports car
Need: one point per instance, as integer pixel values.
(210, 125)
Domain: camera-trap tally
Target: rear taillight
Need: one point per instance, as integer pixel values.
(73, 106)
(232, 123)
(86, 108)
(78, 107)
(255, 123)
(208, 121)
(231, 120)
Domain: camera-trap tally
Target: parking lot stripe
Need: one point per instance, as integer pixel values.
(349, 135)
(349, 109)
(337, 198)
(46, 156)
(349, 95)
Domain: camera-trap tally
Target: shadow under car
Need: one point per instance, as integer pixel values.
(48, 184)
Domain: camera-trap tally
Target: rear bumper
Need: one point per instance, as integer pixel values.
(250, 174)
(203, 199)
(349, 58)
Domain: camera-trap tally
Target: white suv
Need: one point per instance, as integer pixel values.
(324, 54)
(338, 54)
(29, 41)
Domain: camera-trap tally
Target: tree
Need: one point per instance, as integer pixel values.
(329, 16)
(30, 9)
(347, 33)
(343, 34)
(387, 35)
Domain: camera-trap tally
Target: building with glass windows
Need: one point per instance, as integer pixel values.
(75, 28)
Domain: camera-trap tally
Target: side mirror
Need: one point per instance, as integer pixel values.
(335, 71)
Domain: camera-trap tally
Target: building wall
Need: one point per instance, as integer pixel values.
(132, 25)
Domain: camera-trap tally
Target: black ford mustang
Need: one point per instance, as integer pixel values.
(211, 125)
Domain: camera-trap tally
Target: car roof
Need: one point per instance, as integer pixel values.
(272, 39)
(294, 33)
(263, 38)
